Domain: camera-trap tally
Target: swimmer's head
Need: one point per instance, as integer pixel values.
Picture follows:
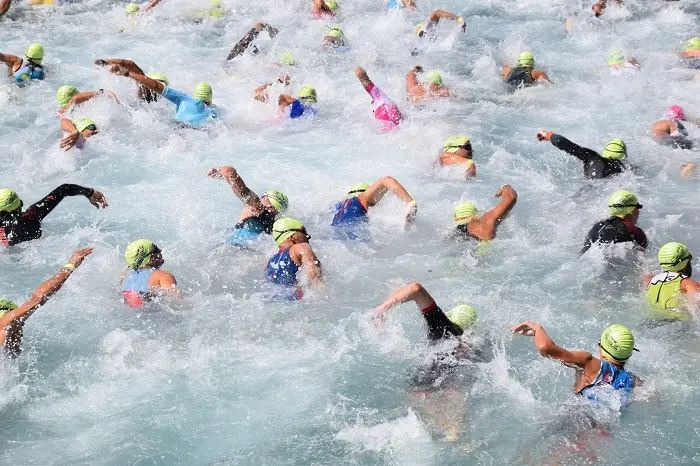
(65, 94)
(6, 306)
(623, 203)
(277, 199)
(335, 33)
(286, 228)
(142, 253)
(287, 58)
(674, 257)
(464, 213)
(331, 4)
(308, 95)
(158, 77)
(616, 58)
(203, 92)
(359, 188)
(615, 149)
(434, 78)
(82, 124)
(617, 343)
(456, 143)
(284, 79)
(216, 3)
(9, 200)
(463, 316)
(526, 59)
(132, 9)
(35, 53)
(675, 112)
(420, 29)
(693, 45)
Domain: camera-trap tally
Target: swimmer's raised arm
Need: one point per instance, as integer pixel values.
(412, 292)
(238, 186)
(436, 15)
(151, 4)
(152, 84)
(547, 348)
(5, 6)
(485, 227)
(309, 261)
(363, 77)
(10, 60)
(128, 64)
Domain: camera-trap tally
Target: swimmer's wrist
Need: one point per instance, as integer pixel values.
(68, 268)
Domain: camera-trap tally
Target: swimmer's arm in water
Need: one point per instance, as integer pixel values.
(505, 71)
(378, 189)
(152, 84)
(540, 76)
(248, 39)
(151, 4)
(12, 61)
(84, 97)
(238, 186)
(415, 89)
(261, 92)
(163, 281)
(128, 64)
(303, 255)
(560, 142)
(436, 15)
(547, 348)
(660, 129)
(39, 210)
(5, 6)
(321, 7)
(411, 292)
(285, 100)
(485, 226)
(39, 297)
(71, 140)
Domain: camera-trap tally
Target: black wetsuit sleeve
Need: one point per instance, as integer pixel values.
(592, 237)
(39, 210)
(244, 43)
(439, 326)
(582, 153)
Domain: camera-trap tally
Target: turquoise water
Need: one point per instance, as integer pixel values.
(227, 377)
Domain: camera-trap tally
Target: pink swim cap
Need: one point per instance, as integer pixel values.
(388, 112)
(675, 112)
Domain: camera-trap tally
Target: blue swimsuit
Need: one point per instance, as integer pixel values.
(28, 71)
(281, 270)
(349, 211)
(614, 376)
(135, 286)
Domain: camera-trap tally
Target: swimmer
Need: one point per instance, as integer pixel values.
(17, 226)
(690, 55)
(323, 8)
(458, 151)
(287, 59)
(674, 130)
(438, 386)
(593, 374)
(471, 225)
(401, 4)
(193, 111)
(426, 29)
(248, 39)
(297, 107)
(418, 91)
(262, 94)
(600, 5)
(595, 165)
(27, 68)
(294, 253)
(362, 196)
(384, 109)
(145, 281)
(214, 11)
(621, 226)
(617, 64)
(132, 11)
(524, 73)
(144, 93)
(78, 132)
(150, 5)
(68, 96)
(672, 293)
(259, 213)
(334, 38)
(13, 317)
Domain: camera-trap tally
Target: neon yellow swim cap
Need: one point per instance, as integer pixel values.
(83, 123)
(693, 45)
(526, 59)
(307, 94)
(464, 212)
(158, 77)
(420, 28)
(674, 256)
(216, 3)
(138, 253)
(331, 4)
(9, 200)
(616, 149)
(286, 227)
(359, 188)
(622, 203)
(617, 342)
(6, 306)
(35, 52)
(463, 316)
(616, 58)
(455, 143)
(132, 9)
(434, 78)
(203, 92)
(287, 58)
(65, 94)
(278, 200)
(335, 33)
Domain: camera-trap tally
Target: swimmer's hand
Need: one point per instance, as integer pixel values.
(526, 328)
(463, 25)
(499, 193)
(119, 70)
(360, 72)
(70, 141)
(100, 62)
(221, 173)
(377, 318)
(98, 199)
(543, 135)
(412, 210)
(417, 69)
(79, 256)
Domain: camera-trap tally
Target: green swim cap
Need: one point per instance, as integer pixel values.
(287, 58)
(9, 200)
(617, 342)
(35, 52)
(359, 188)
(420, 28)
(284, 228)
(139, 253)
(455, 143)
(616, 149)
(6, 306)
(65, 94)
(616, 58)
(526, 59)
(203, 92)
(331, 4)
(308, 94)
(674, 256)
(693, 44)
(82, 123)
(132, 9)
(335, 33)
(278, 200)
(463, 316)
(464, 212)
(216, 3)
(622, 203)
(158, 77)
(434, 78)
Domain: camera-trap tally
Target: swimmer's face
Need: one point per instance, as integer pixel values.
(300, 236)
(635, 214)
(89, 131)
(267, 204)
(157, 259)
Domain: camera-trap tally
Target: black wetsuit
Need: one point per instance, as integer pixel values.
(462, 232)
(250, 36)
(680, 141)
(26, 226)
(594, 166)
(615, 230)
(520, 75)
(439, 326)
(259, 223)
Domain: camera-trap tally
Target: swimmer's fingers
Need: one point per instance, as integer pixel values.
(79, 256)
(214, 173)
(100, 62)
(98, 199)
(524, 328)
(69, 141)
